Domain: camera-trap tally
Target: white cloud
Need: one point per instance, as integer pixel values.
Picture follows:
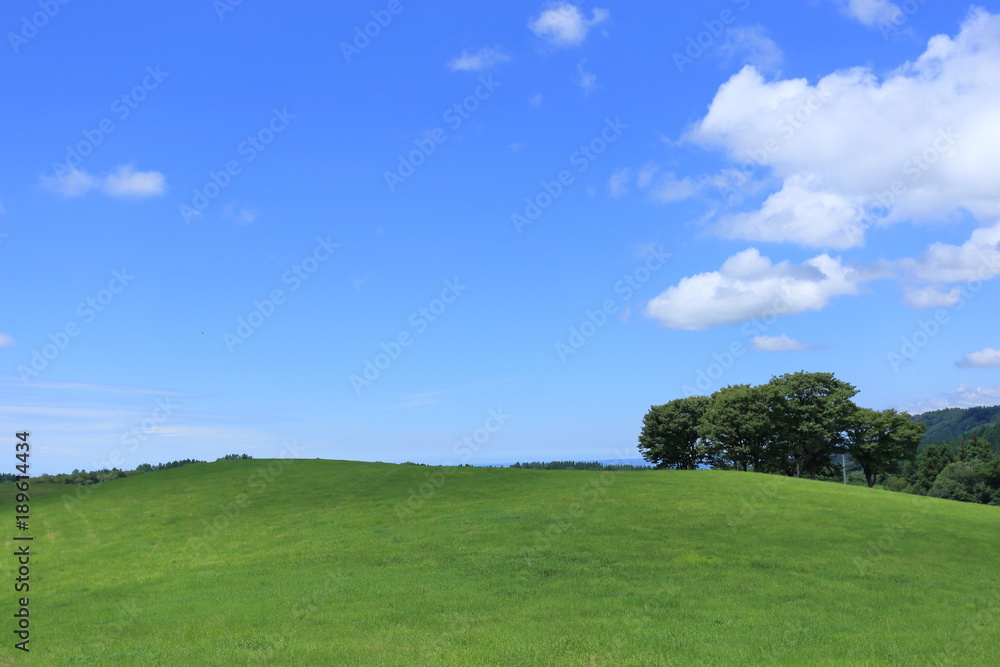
(930, 297)
(840, 146)
(963, 397)
(987, 358)
(586, 80)
(618, 183)
(646, 175)
(667, 187)
(482, 59)
(799, 213)
(976, 259)
(748, 285)
(670, 188)
(535, 100)
(776, 343)
(126, 182)
(240, 214)
(123, 182)
(6, 340)
(871, 12)
(753, 47)
(72, 183)
(563, 24)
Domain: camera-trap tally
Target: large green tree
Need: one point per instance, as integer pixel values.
(669, 437)
(931, 461)
(975, 450)
(739, 429)
(881, 441)
(813, 413)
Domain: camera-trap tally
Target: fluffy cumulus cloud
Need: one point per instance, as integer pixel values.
(749, 285)
(855, 150)
(122, 182)
(780, 343)
(482, 59)
(801, 214)
(987, 358)
(563, 24)
(976, 259)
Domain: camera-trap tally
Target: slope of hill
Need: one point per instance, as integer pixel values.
(954, 422)
(346, 563)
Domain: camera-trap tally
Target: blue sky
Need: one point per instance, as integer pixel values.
(483, 233)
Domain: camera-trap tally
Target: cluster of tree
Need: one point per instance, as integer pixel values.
(578, 465)
(235, 457)
(797, 423)
(971, 475)
(97, 476)
(146, 467)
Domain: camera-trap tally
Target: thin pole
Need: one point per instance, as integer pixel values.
(843, 464)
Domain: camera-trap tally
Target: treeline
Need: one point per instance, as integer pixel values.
(578, 465)
(86, 478)
(796, 424)
(103, 475)
(970, 472)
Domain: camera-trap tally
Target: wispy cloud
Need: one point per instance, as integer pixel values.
(618, 183)
(751, 46)
(780, 343)
(86, 386)
(963, 397)
(6, 340)
(586, 80)
(241, 214)
(418, 399)
(482, 59)
(123, 182)
(871, 12)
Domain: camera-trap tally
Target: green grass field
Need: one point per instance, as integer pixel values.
(324, 563)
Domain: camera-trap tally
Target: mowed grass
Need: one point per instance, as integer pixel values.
(502, 567)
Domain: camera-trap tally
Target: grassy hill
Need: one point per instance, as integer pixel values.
(325, 562)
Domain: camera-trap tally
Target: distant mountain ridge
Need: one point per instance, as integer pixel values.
(954, 424)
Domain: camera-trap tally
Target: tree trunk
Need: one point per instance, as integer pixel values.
(869, 475)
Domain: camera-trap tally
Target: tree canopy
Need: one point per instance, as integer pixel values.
(796, 423)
